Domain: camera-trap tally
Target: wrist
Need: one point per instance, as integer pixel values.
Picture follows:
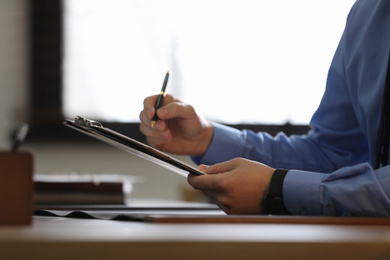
(205, 140)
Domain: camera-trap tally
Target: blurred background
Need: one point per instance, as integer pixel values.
(47, 56)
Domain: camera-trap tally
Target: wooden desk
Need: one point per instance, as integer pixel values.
(65, 238)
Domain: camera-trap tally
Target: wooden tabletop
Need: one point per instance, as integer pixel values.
(68, 238)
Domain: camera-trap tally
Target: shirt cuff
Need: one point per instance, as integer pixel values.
(301, 191)
(222, 146)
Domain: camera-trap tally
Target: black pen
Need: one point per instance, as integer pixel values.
(160, 98)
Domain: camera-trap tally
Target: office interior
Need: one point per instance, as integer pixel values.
(52, 153)
(65, 238)
(150, 181)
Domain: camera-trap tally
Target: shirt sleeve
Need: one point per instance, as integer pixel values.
(280, 151)
(350, 191)
(220, 149)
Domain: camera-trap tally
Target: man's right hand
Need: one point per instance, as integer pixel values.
(179, 129)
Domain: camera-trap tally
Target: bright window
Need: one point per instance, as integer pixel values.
(236, 61)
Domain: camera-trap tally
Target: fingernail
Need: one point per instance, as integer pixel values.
(158, 125)
(202, 167)
(163, 111)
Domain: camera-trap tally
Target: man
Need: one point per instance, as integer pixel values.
(338, 169)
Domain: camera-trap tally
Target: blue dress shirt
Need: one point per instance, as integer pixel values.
(332, 168)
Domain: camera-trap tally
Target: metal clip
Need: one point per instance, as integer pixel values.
(86, 122)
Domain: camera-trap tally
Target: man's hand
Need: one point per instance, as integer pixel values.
(238, 186)
(178, 130)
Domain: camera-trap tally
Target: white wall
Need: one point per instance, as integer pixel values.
(156, 182)
(13, 65)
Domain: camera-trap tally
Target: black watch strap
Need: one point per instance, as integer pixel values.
(274, 204)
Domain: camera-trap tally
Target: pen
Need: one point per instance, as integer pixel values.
(21, 134)
(160, 98)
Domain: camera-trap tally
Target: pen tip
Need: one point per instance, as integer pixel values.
(153, 123)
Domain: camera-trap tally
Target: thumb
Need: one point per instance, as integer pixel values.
(217, 168)
(176, 110)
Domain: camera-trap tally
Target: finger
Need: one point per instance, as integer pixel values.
(165, 137)
(149, 104)
(214, 197)
(157, 135)
(146, 125)
(148, 131)
(145, 118)
(217, 198)
(149, 111)
(219, 167)
(176, 109)
(203, 182)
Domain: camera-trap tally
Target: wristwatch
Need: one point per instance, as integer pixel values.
(274, 204)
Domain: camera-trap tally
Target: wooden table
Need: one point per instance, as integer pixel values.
(67, 238)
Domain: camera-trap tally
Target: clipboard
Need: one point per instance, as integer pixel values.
(96, 130)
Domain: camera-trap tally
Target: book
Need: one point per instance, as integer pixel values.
(79, 190)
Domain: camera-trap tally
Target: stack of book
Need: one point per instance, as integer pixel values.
(78, 190)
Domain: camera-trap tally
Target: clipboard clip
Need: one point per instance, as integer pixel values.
(86, 122)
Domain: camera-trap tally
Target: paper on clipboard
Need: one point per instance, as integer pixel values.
(96, 130)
